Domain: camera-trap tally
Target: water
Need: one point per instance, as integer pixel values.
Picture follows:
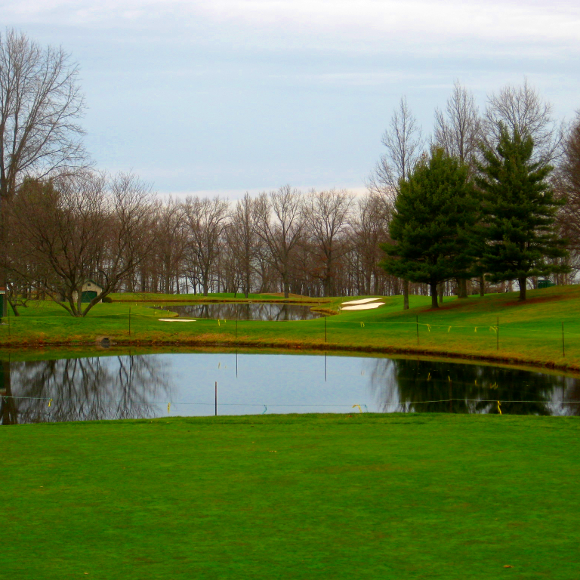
(139, 386)
(245, 311)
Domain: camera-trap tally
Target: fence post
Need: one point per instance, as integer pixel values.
(417, 321)
(325, 329)
(563, 347)
(497, 335)
(216, 398)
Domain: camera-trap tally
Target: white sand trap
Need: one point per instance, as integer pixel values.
(363, 301)
(176, 320)
(364, 306)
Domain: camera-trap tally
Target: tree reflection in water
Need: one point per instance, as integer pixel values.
(245, 311)
(82, 389)
(441, 387)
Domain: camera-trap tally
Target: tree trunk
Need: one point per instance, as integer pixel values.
(482, 285)
(405, 294)
(440, 290)
(461, 288)
(433, 287)
(522, 282)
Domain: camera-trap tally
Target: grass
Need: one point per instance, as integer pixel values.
(297, 497)
(529, 333)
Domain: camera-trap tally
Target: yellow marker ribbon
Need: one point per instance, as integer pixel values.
(360, 410)
(429, 377)
(449, 329)
(429, 327)
(476, 329)
(168, 407)
(498, 408)
(362, 324)
(49, 402)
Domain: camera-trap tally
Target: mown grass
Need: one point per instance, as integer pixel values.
(530, 332)
(296, 496)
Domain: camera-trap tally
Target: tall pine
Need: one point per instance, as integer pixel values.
(433, 223)
(518, 213)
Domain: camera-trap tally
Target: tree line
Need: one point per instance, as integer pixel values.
(62, 222)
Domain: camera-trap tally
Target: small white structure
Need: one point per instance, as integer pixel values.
(89, 291)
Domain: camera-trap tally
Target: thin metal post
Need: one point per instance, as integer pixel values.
(236, 326)
(216, 398)
(325, 329)
(129, 321)
(497, 335)
(563, 347)
(417, 320)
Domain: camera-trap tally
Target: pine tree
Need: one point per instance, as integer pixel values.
(433, 223)
(518, 208)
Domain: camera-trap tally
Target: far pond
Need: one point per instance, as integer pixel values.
(140, 386)
(244, 311)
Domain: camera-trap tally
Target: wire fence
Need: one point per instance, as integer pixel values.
(557, 339)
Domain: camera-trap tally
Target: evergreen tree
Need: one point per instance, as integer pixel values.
(433, 223)
(519, 209)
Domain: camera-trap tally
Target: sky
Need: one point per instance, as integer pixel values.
(220, 97)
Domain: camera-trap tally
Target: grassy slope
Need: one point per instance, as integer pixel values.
(297, 497)
(529, 332)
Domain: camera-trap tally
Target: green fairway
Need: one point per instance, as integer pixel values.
(311, 496)
(544, 330)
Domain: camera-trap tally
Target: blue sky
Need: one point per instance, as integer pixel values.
(223, 97)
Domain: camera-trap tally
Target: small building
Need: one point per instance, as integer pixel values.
(89, 291)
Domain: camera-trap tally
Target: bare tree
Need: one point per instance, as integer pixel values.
(368, 231)
(327, 215)
(80, 227)
(568, 186)
(404, 143)
(40, 105)
(458, 127)
(205, 221)
(522, 109)
(279, 223)
(458, 132)
(243, 240)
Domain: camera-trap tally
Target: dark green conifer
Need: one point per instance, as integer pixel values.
(433, 223)
(518, 213)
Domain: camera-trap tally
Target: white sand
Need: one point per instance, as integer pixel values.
(175, 320)
(363, 306)
(363, 301)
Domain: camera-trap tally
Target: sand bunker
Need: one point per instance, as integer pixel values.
(363, 301)
(176, 320)
(363, 306)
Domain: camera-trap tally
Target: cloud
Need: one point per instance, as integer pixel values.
(324, 23)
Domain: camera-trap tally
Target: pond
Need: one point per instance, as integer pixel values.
(157, 385)
(245, 311)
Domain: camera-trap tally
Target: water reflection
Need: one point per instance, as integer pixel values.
(443, 387)
(82, 389)
(117, 387)
(245, 311)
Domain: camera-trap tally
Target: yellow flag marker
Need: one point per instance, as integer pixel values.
(168, 407)
(498, 408)
(449, 329)
(360, 410)
(49, 402)
(429, 377)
